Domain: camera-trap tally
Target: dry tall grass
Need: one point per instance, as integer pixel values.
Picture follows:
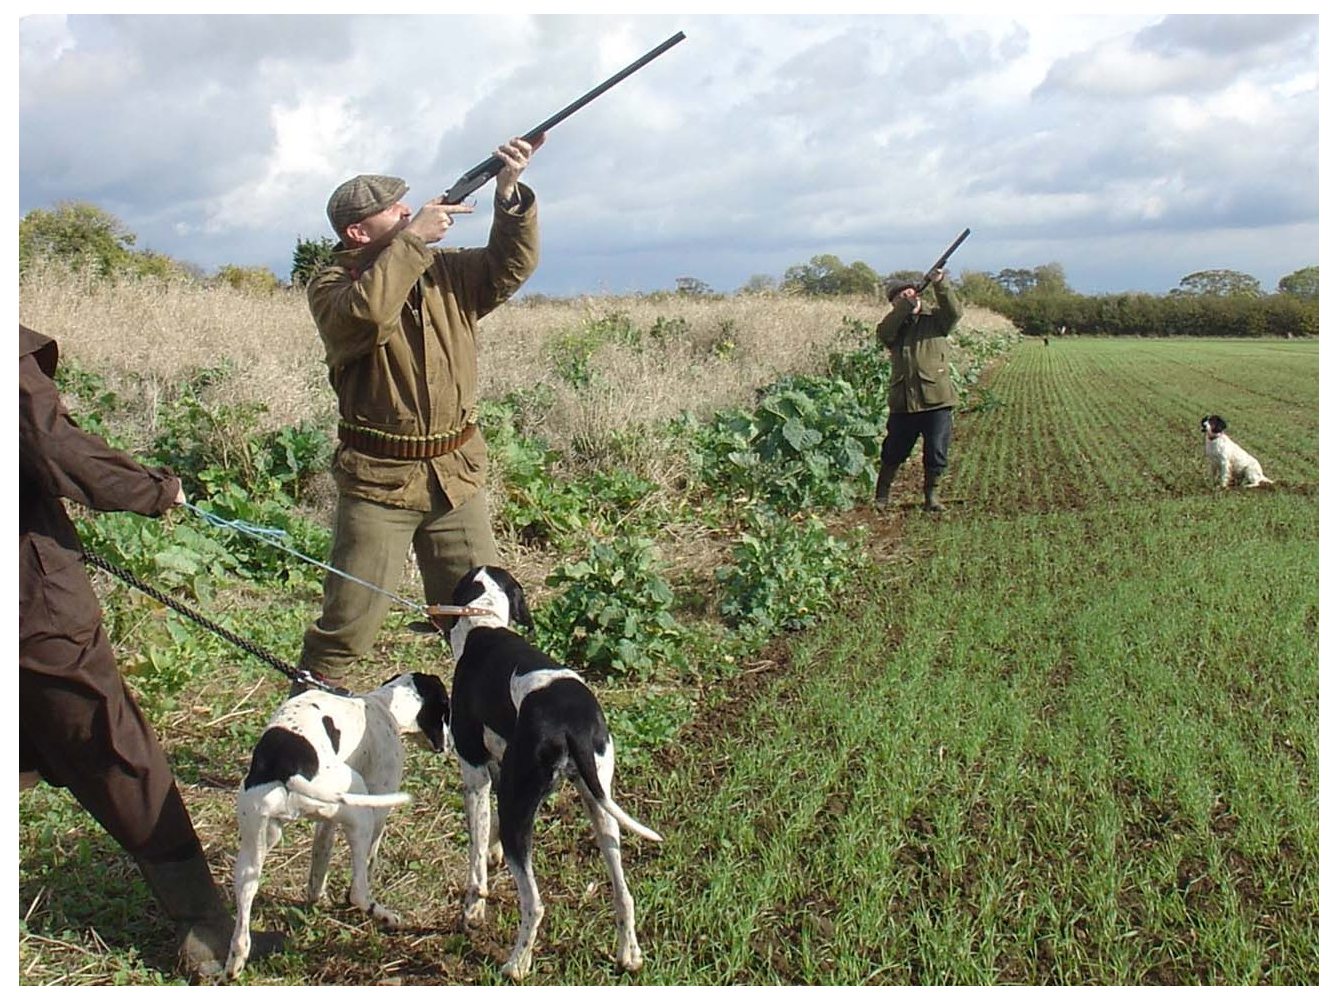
(146, 337)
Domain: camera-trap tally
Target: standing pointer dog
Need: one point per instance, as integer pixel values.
(521, 720)
(1228, 461)
(337, 759)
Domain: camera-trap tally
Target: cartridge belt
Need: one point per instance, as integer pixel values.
(385, 445)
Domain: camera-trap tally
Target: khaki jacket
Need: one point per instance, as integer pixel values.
(919, 350)
(400, 344)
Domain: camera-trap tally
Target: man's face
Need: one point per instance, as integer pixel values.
(910, 295)
(383, 224)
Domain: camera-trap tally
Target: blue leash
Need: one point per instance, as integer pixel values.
(271, 536)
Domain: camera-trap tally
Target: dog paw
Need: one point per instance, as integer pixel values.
(518, 967)
(630, 959)
(385, 917)
(495, 854)
(475, 909)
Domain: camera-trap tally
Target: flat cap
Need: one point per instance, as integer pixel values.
(897, 288)
(362, 196)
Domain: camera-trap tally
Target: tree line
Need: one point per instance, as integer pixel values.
(1222, 303)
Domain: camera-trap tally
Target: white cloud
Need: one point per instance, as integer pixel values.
(756, 139)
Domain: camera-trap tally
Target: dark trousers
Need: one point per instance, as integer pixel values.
(934, 426)
(79, 728)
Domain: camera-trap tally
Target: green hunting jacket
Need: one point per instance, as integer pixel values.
(918, 346)
(400, 346)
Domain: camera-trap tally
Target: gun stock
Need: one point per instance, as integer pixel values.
(943, 259)
(482, 172)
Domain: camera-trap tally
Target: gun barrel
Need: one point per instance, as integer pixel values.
(943, 258)
(478, 175)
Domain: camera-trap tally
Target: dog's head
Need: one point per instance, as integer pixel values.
(496, 590)
(1213, 425)
(421, 706)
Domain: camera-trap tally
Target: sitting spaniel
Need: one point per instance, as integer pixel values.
(1228, 462)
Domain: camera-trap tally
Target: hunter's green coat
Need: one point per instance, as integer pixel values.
(919, 350)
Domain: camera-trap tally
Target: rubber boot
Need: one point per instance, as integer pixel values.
(204, 926)
(932, 502)
(887, 474)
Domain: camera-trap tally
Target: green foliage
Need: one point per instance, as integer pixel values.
(810, 443)
(825, 274)
(1305, 282)
(570, 352)
(89, 401)
(687, 285)
(309, 257)
(213, 445)
(1218, 282)
(84, 238)
(784, 573)
(1185, 315)
(257, 279)
(540, 506)
(612, 614)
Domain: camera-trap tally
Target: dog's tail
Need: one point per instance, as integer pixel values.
(300, 785)
(584, 758)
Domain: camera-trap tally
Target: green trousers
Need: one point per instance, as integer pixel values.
(370, 542)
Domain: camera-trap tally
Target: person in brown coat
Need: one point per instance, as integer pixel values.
(79, 727)
(399, 322)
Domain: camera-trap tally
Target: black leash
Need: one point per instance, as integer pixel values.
(295, 674)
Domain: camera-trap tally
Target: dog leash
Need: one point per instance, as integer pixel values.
(298, 675)
(270, 536)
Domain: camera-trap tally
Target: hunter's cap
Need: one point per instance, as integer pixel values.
(897, 288)
(362, 196)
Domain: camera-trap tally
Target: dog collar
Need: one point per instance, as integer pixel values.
(447, 611)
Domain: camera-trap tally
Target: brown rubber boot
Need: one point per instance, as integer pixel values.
(204, 926)
(932, 502)
(886, 476)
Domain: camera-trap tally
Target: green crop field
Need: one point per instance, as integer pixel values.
(1070, 738)
(1066, 733)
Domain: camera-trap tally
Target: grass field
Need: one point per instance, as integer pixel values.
(1067, 733)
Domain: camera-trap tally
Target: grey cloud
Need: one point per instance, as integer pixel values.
(1226, 35)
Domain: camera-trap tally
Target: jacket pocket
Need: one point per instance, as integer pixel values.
(55, 595)
(937, 389)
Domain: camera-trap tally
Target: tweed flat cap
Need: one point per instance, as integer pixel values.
(897, 288)
(362, 196)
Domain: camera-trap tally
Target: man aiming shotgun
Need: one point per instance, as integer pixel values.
(399, 321)
(921, 395)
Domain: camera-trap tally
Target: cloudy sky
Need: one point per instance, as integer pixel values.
(1130, 149)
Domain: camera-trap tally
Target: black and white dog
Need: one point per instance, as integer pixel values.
(520, 721)
(337, 759)
(1229, 462)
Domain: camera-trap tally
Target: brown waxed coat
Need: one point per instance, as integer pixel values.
(78, 725)
(400, 339)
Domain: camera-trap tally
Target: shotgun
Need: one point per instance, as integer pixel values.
(480, 173)
(943, 259)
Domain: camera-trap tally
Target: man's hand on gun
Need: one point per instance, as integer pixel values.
(434, 219)
(516, 155)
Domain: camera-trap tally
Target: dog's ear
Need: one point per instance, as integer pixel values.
(434, 714)
(520, 611)
(467, 589)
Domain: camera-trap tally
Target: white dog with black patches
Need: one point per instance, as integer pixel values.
(337, 759)
(519, 722)
(1228, 462)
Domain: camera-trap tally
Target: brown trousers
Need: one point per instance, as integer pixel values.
(80, 728)
(371, 542)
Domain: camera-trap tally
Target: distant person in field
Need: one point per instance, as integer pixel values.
(921, 396)
(399, 321)
(79, 727)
